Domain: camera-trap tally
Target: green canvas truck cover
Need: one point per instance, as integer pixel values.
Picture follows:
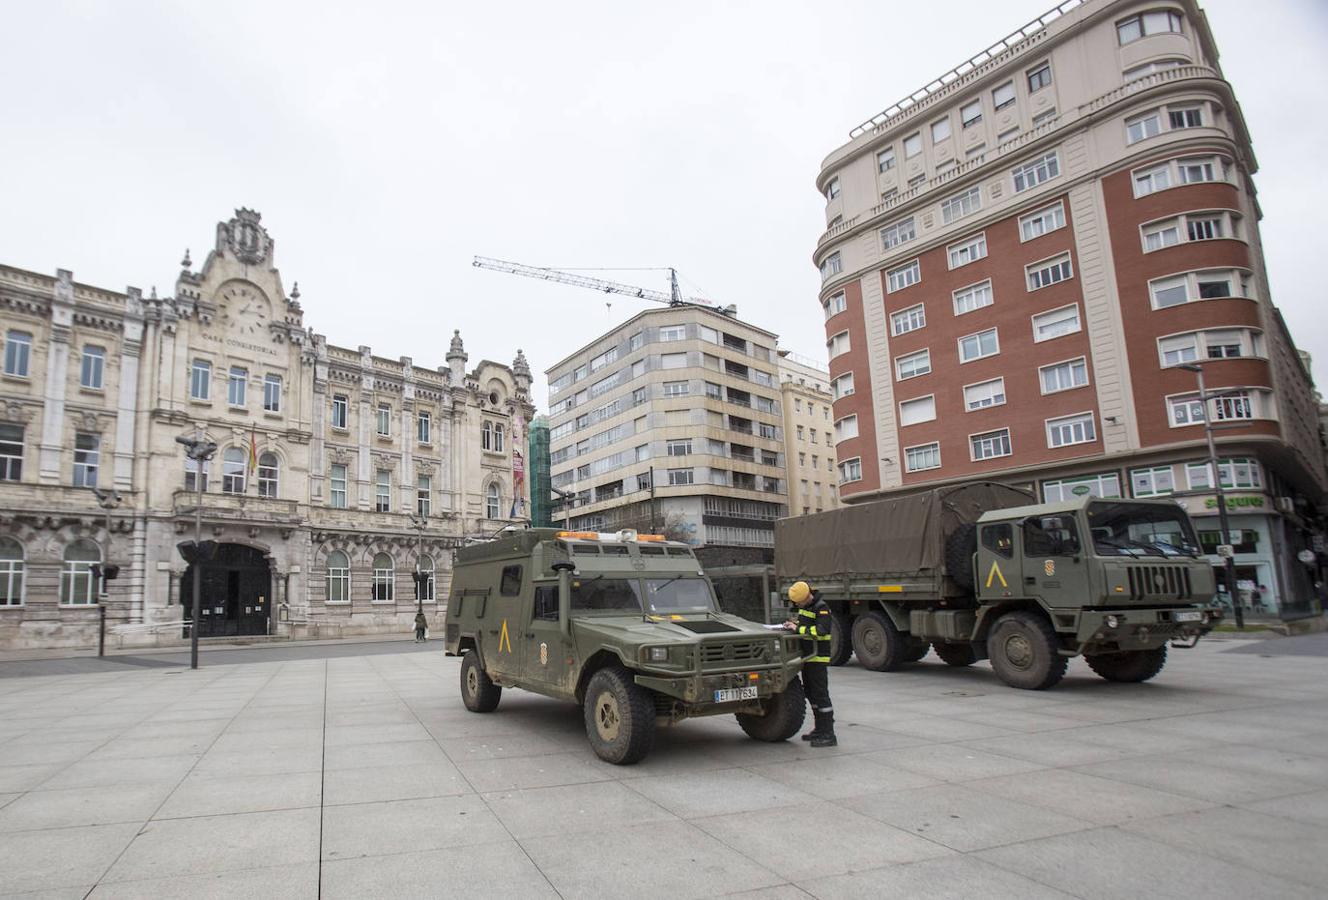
(897, 535)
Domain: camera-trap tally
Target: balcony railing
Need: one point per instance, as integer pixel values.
(246, 507)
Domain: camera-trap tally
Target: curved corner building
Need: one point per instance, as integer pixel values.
(1020, 258)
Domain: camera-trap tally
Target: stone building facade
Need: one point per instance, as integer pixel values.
(327, 457)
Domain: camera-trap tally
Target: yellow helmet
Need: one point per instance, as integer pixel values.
(799, 592)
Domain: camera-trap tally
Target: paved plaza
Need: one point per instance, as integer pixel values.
(342, 772)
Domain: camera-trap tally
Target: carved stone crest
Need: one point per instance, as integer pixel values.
(246, 239)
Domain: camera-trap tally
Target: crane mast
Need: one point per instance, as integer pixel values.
(673, 298)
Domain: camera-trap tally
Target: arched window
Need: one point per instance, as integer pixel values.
(11, 572)
(426, 567)
(338, 577)
(267, 475)
(493, 502)
(77, 587)
(486, 436)
(191, 472)
(498, 437)
(384, 574)
(232, 471)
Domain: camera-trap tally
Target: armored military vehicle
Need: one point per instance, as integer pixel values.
(625, 625)
(979, 571)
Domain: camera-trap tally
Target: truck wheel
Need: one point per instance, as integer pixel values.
(841, 647)
(1128, 665)
(784, 715)
(958, 655)
(478, 691)
(1022, 649)
(876, 641)
(959, 549)
(620, 717)
(915, 649)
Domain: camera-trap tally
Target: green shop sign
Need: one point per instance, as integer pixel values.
(1251, 502)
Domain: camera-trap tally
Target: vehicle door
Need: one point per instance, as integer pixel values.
(1000, 570)
(546, 652)
(504, 622)
(1054, 567)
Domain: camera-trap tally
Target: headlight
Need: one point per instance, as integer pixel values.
(1112, 621)
(774, 648)
(658, 654)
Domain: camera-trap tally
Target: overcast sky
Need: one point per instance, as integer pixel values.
(387, 144)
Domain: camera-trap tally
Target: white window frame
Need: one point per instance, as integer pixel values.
(1188, 404)
(897, 233)
(905, 276)
(1174, 171)
(337, 496)
(843, 386)
(916, 450)
(1035, 172)
(382, 490)
(966, 299)
(237, 386)
(672, 361)
(907, 357)
(908, 320)
(1100, 481)
(200, 379)
(961, 205)
(996, 396)
(997, 102)
(1053, 214)
(1231, 465)
(1078, 323)
(969, 250)
(382, 585)
(885, 160)
(844, 425)
(850, 470)
(915, 141)
(1153, 474)
(670, 333)
(941, 126)
(18, 353)
(1144, 24)
(832, 189)
(835, 304)
(1082, 425)
(925, 399)
(1143, 126)
(994, 434)
(994, 332)
(831, 266)
(1237, 278)
(1035, 273)
(1042, 381)
(838, 344)
(1037, 70)
(1181, 226)
(967, 116)
(92, 367)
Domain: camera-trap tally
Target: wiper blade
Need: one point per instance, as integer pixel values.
(1117, 544)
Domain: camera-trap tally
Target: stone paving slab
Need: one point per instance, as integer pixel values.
(318, 772)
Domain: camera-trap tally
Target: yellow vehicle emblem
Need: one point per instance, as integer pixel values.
(1049, 567)
(994, 574)
(503, 638)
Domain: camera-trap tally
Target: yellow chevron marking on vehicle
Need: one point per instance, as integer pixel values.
(503, 638)
(996, 573)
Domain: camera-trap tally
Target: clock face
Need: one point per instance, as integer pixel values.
(244, 310)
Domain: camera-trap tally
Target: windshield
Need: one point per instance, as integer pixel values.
(600, 593)
(665, 595)
(1131, 529)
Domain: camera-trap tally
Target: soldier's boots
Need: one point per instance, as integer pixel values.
(823, 734)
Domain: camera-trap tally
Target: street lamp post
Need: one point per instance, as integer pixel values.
(200, 451)
(107, 500)
(566, 497)
(1215, 468)
(419, 522)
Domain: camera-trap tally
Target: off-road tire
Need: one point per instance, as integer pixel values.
(915, 649)
(878, 644)
(784, 715)
(1022, 648)
(478, 691)
(1128, 665)
(959, 549)
(620, 717)
(841, 642)
(958, 655)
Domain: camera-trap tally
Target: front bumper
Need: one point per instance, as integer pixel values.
(1111, 630)
(695, 691)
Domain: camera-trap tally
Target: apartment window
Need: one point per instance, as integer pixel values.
(920, 458)
(1178, 350)
(423, 495)
(1044, 117)
(423, 427)
(940, 131)
(236, 383)
(1210, 285)
(713, 391)
(921, 409)
(912, 145)
(850, 470)
(11, 572)
(990, 444)
(267, 475)
(1036, 172)
(486, 435)
(907, 320)
(94, 365)
(1077, 429)
(960, 205)
(971, 113)
(831, 266)
(681, 476)
(978, 346)
(493, 500)
(1049, 272)
(673, 361)
(984, 394)
(425, 566)
(1234, 406)
(603, 359)
(271, 393)
(832, 189)
(1166, 234)
(898, 233)
(967, 251)
(636, 342)
(338, 577)
(1185, 410)
(87, 458)
(913, 365)
(1204, 228)
(200, 380)
(1154, 482)
(498, 437)
(838, 344)
(337, 493)
(680, 447)
(77, 586)
(1238, 473)
(384, 419)
(1003, 96)
(1039, 77)
(813, 435)
(975, 296)
(836, 305)
(843, 385)
(11, 452)
(885, 160)
(1190, 170)
(384, 579)
(904, 276)
(672, 333)
(1149, 23)
(233, 465)
(1036, 224)
(1185, 117)
(643, 452)
(1056, 323)
(1064, 376)
(383, 491)
(1196, 171)
(846, 428)
(917, 181)
(800, 432)
(18, 352)
(339, 408)
(1225, 344)
(638, 397)
(1143, 127)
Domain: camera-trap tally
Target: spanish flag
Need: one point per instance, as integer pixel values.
(253, 448)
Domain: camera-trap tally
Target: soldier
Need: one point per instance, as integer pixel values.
(421, 626)
(813, 623)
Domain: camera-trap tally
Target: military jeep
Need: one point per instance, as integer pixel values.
(625, 625)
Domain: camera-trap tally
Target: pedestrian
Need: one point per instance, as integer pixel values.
(421, 627)
(813, 621)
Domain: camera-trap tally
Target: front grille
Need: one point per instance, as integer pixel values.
(731, 653)
(1149, 582)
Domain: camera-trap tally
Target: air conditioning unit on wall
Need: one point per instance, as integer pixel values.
(1286, 505)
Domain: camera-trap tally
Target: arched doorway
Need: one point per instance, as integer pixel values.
(236, 590)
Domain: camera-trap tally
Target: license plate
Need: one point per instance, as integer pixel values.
(728, 695)
(1188, 617)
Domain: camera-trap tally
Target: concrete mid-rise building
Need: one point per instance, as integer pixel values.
(672, 422)
(1023, 257)
(809, 434)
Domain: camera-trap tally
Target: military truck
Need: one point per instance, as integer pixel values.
(979, 571)
(627, 626)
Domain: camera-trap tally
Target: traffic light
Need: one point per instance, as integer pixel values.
(196, 553)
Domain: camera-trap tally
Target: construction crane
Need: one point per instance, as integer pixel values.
(673, 298)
